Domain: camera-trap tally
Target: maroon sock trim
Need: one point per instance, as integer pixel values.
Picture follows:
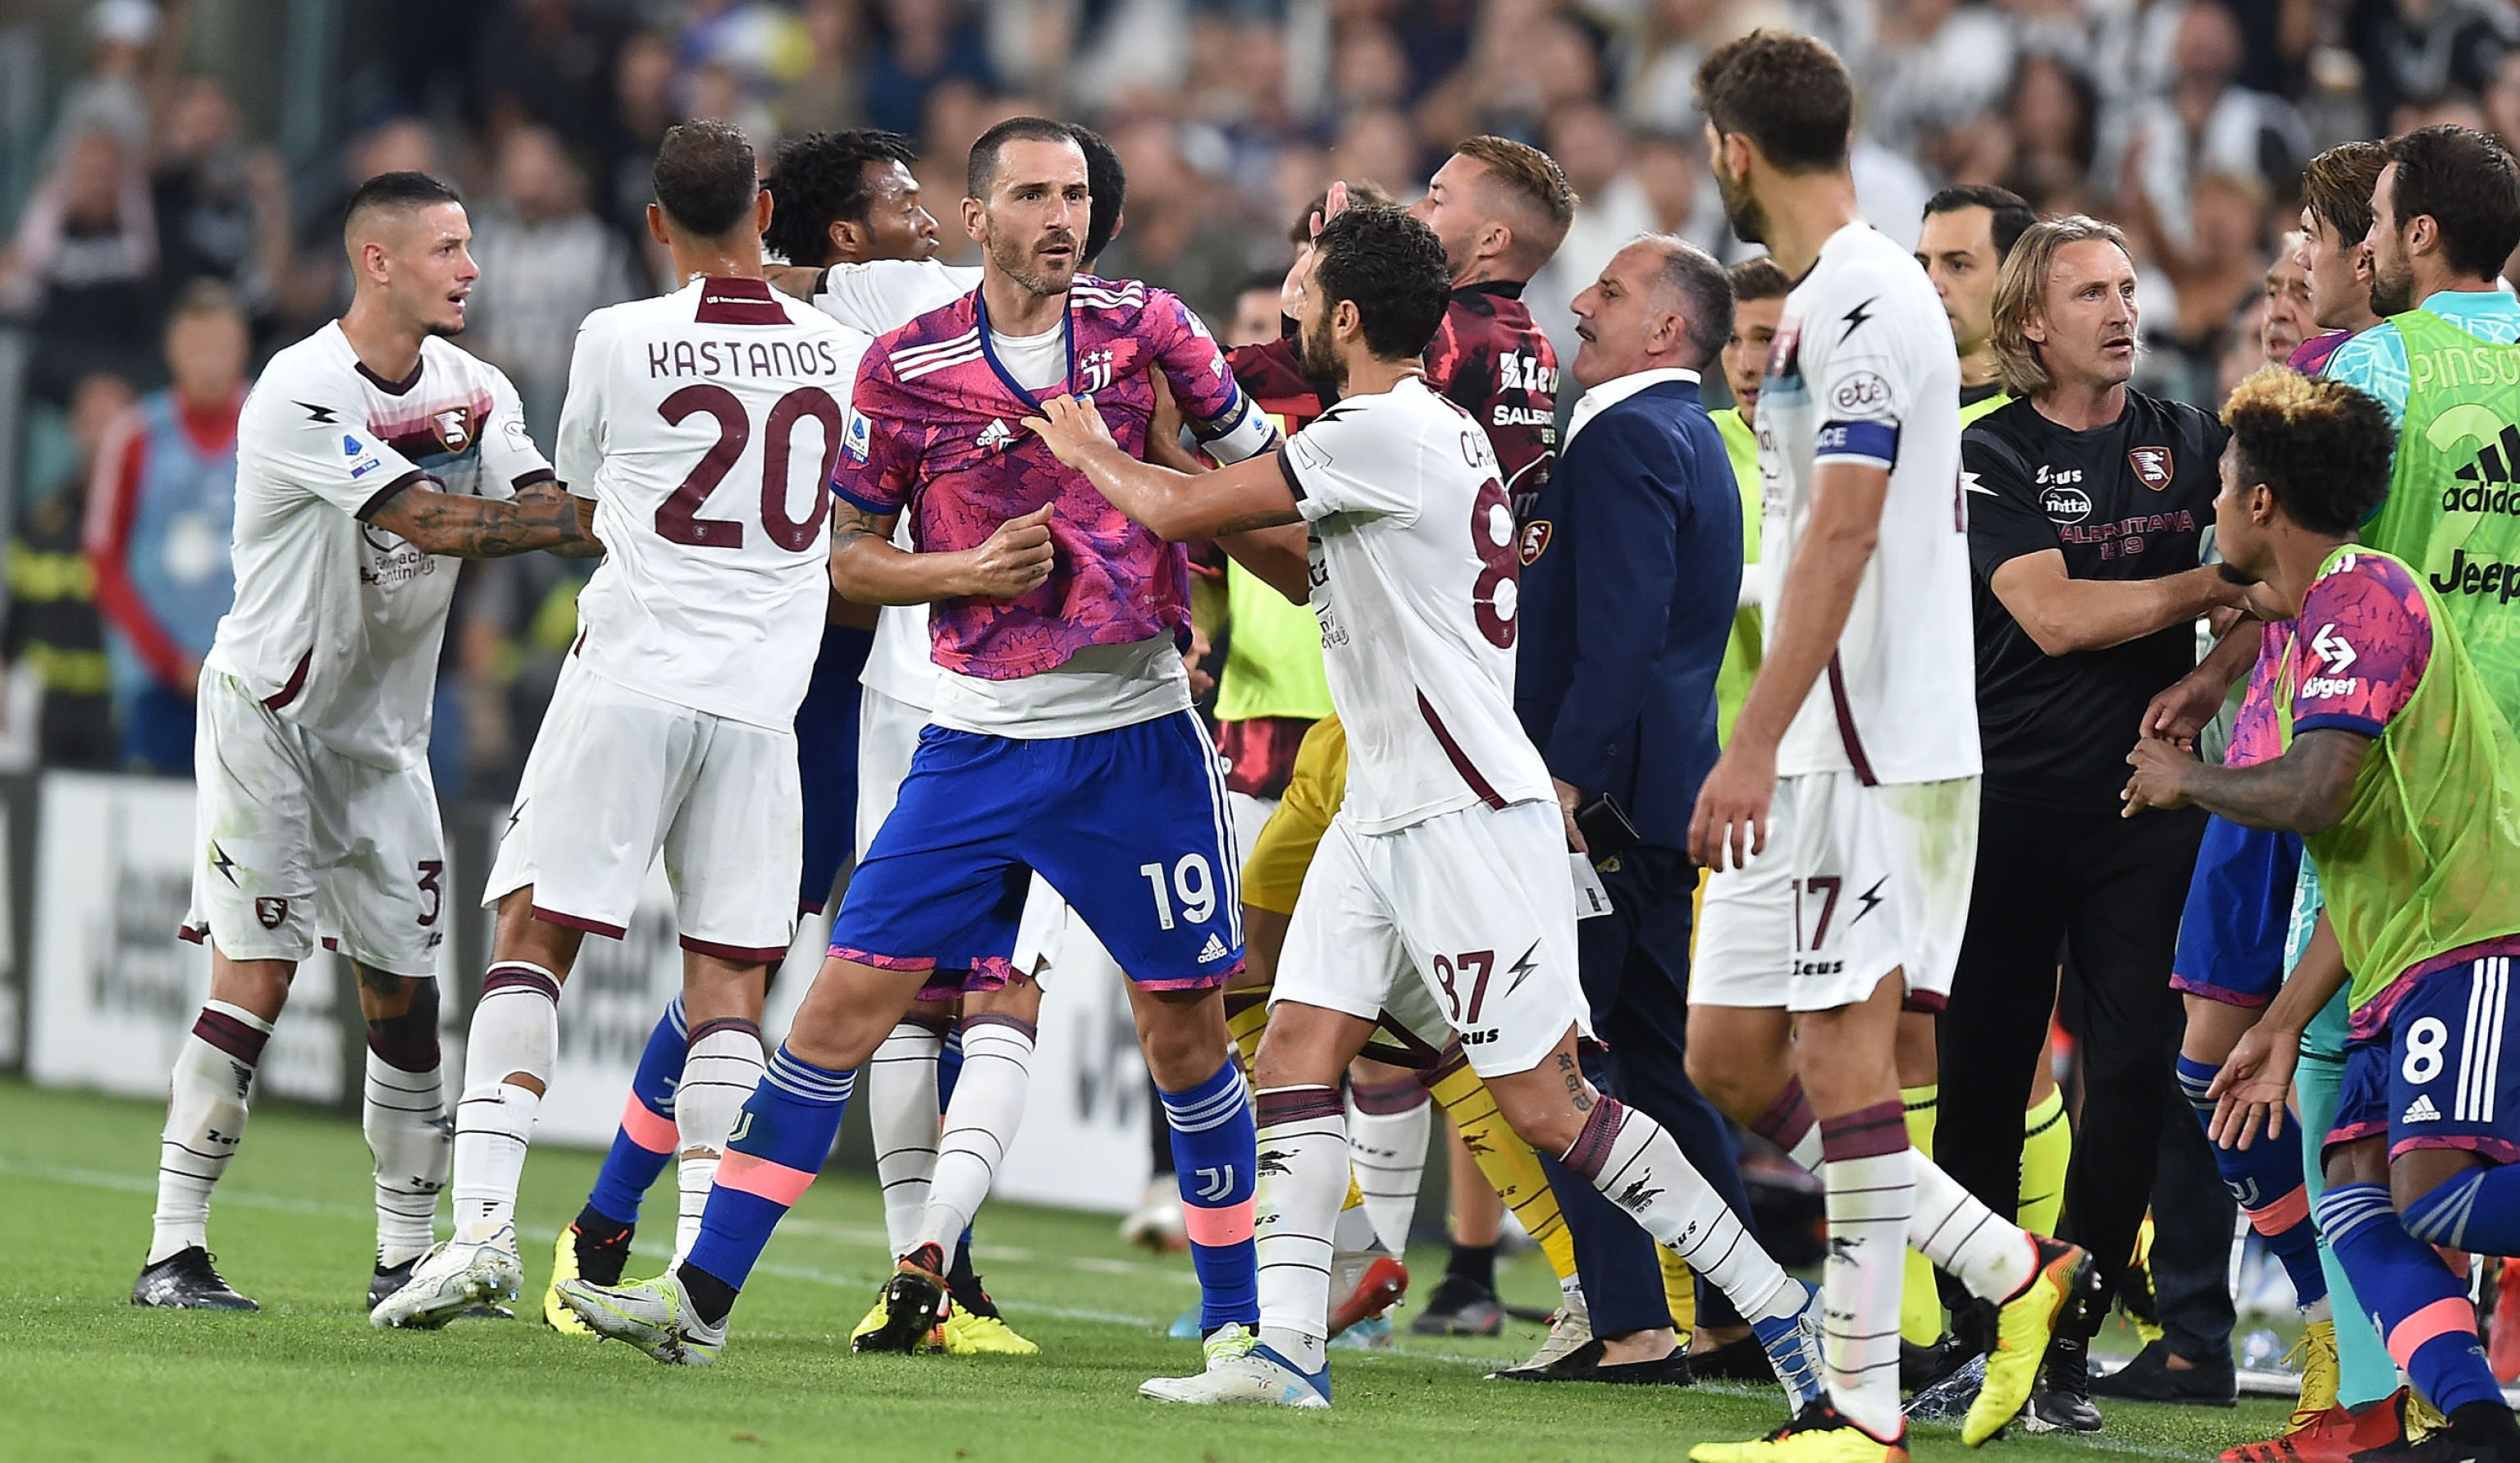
(519, 978)
(1383, 1099)
(1865, 1134)
(234, 1037)
(1283, 1105)
(722, 1024)
(995, 1019)
(1591, 1152)
(1788, 1120)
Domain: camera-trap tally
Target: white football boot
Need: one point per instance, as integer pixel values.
(1241, 1370)
(653, 1315)
(452, 1278)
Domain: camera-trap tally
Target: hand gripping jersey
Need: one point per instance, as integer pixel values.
(336, 623)
(2420, 867)
(945, 442)
(1863, 370)
(705, 423)
(1415, 564)
(1487, 357)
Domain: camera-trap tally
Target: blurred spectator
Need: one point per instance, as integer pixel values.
(1611, 210)
(2051, 121)
(318, 287)
(111, 95)
(832, 92)
(161, 512)
(1933, 65)
(2284, 319)
(1179, 229)
(552, 62)
(2416, 48)
(222, 207)
(81, 265)
(917, 44)
(2212, 273)
(546, 263)
(642, 110)
(2206, 122)
(1258, 316)
(55, 640)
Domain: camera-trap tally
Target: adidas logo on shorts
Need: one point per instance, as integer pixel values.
(1214, 950)
(2422, 1110)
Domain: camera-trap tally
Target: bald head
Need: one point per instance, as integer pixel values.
(387, 201)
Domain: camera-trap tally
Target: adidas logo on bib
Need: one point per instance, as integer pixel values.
(2422, 1110)
(1214, 950)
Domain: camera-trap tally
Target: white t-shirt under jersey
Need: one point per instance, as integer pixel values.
(878, 296)
(336, 623)
(1413, 564)
(703, 423)
(1863, 371)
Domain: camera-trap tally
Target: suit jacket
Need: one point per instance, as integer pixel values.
(1632, 568)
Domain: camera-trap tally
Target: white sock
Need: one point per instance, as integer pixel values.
(1304, 1131)
(1638, 1166)
(1872, 1191)
(1354, 1228)
(721, 1067)
(900, 1090)
(515, 1030)
(1387, 1127)
(988, 1104)
(207, 1099)
(1965, 1238)
(404, 1117)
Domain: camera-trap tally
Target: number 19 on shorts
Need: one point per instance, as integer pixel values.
(1192, 883)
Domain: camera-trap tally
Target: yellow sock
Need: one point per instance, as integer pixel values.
(1679, 1291)
(1920, 1305)
(1246, 1016)
(1507, 1161)
(2047, 1150)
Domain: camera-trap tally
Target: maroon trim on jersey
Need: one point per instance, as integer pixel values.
(1453, 751)
(740, 955)
(1924, 1002)
(727, 301)
(383, 495)
(296, 682)
(524, 480)
(1846, 733)
(192, 933)
(579, 922)
(1286, 469)
(393, 387)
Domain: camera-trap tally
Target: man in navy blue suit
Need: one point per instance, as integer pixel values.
(1632, 568)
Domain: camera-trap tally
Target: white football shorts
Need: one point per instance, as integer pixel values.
(615, 777)
(296, 842)
(1462, 925)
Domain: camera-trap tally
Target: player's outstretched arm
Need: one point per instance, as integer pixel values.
(470, 527)
(1175, 505)
(2305, 790)
(1818, 594)
(867, 569)
(586, 545)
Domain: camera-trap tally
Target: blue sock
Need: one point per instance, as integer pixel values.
(2422, 1309)
(1215, 1150)
(644, 1144)
(949, 1066)
(2266, 1180)
(2479, 1211)
(780, 1144)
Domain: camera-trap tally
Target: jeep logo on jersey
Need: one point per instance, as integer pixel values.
(2066, 505)
(1535, 540)
(2151, 466)
(453, 428)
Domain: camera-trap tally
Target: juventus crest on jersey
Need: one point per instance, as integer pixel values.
(705, 423)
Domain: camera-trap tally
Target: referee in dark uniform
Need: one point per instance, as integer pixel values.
(2087, 503)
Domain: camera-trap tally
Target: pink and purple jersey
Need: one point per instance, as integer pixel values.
(944, 440)
(2255, 736)
(2359, 648)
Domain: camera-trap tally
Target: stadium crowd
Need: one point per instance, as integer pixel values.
(162, 256)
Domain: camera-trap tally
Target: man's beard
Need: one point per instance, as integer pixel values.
(1319, 357)
(2392, 296)
(1741, 210)
(1020, 264)
(2233, 575)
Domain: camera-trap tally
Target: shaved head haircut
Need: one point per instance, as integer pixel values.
(387, 197)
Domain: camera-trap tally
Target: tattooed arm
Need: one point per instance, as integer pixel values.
(469, 527)
(867, 569)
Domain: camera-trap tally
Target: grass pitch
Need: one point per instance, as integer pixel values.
(84, 1375)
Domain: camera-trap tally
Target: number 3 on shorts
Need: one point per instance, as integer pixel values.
(1193, 882)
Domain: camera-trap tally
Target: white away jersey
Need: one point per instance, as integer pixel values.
(1863, 370)
(1414, 565)
(705, 423)
(880, 296)
(336, 623)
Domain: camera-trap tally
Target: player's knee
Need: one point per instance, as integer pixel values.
(2416, 1187)
(406, 1038)
(1727, 1080)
